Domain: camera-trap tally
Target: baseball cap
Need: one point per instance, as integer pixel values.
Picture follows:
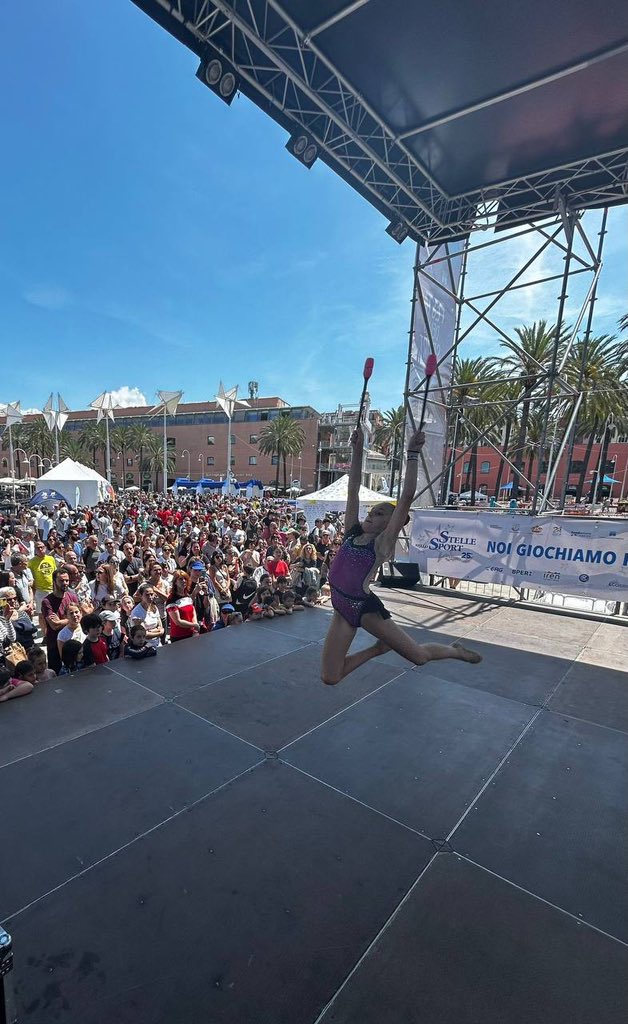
(197, 564)
(108, 617)
(227, 608)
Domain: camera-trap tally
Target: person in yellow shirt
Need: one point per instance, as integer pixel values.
(42, 567)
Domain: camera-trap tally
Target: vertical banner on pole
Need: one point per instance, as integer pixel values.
(433, 331)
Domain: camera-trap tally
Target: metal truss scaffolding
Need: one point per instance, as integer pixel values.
(525, 263)
(287, 69)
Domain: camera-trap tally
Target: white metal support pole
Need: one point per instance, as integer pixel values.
(108, 450)
(228, 454)
(11, 461)
(57, 457)
(165, 453)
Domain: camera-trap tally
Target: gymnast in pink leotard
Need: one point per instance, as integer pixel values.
(365, 546)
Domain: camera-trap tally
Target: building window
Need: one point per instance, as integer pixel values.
(210, 460)
(252, 460)
(485, 467)
(171, 442)
(465, 468)
(211, 439)
(252, 438)
(275, 460)
(233, 460)
(129, 462)
(233, 438)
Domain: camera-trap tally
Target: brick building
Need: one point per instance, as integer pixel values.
(198, 436)
(488, 466)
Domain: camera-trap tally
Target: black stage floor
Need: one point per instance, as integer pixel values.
(215, 836)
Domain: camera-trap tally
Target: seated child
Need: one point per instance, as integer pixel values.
(95, 646)
(39, 661)
(112, 634)
(228, 617)
(311, 597)
(289, 602)
(71, 657)
(19, 684)
(244, 595)
(138, 646)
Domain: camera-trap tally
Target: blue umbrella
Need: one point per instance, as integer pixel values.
(607, 480)
(506, 487)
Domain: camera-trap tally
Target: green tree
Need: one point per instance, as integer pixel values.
(282, 437)
(473, 386)
(38, 439)
(122, 442)
(389, 438)
(141, 437)
(529, 358)
(72, 446)
(94, 439)
(597, 368)
(154, 449)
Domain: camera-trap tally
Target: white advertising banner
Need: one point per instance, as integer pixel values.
(587, 558)
(434, 328)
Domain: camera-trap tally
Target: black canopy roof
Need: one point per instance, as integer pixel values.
(442, 115)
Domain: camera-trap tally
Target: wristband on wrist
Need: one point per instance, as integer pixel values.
(413, 456)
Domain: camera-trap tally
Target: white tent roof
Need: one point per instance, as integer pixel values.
(70, 470)
(337, 492)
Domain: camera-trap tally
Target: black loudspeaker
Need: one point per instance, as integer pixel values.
(219, 76)
(404, 575)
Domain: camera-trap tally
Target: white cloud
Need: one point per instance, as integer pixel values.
(125, 396)
(48, 297)
(31, 412)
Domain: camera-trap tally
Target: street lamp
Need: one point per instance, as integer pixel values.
(186, 452)
(24, 460)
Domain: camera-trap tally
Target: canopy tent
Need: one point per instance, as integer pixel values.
(78, 484)
(334, 499)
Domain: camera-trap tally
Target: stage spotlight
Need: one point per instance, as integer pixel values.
(219, 75)
(302, 145)
(397, 230)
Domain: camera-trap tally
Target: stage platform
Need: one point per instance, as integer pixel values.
(214, 837)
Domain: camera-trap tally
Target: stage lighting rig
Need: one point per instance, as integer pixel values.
(397, 230)
(303, 146)
(219, 75)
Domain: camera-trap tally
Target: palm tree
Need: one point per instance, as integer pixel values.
(596, 367)
(389, 438)
(282, 437)
(505, 391)
(154, 449)
(72, 447)
(141, 438)
(122, 441)
(94, 440)
(528, 359)
(473, 385)
(38, 438)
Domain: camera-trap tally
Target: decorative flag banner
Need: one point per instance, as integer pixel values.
(565, 555)
(434, 330)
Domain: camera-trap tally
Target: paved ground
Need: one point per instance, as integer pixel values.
(215, 836)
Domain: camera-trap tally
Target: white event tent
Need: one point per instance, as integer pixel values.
(78, 484)
(334, 499)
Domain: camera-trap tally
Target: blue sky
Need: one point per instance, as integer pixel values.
(154, 238)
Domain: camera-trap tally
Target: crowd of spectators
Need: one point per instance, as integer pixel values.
(81, 588)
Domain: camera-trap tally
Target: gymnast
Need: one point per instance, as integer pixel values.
(365, 547)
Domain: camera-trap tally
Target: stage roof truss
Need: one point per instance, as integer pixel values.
(286, 67)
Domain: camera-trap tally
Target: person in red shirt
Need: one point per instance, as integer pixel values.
(180, 609)
(277, 565)
(95, 646)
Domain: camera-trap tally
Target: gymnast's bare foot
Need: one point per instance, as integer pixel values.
(467, 655)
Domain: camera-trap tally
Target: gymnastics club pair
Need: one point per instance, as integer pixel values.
(430, 369)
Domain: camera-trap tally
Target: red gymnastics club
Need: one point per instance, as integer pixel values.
(430, 369)
(366, 373)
